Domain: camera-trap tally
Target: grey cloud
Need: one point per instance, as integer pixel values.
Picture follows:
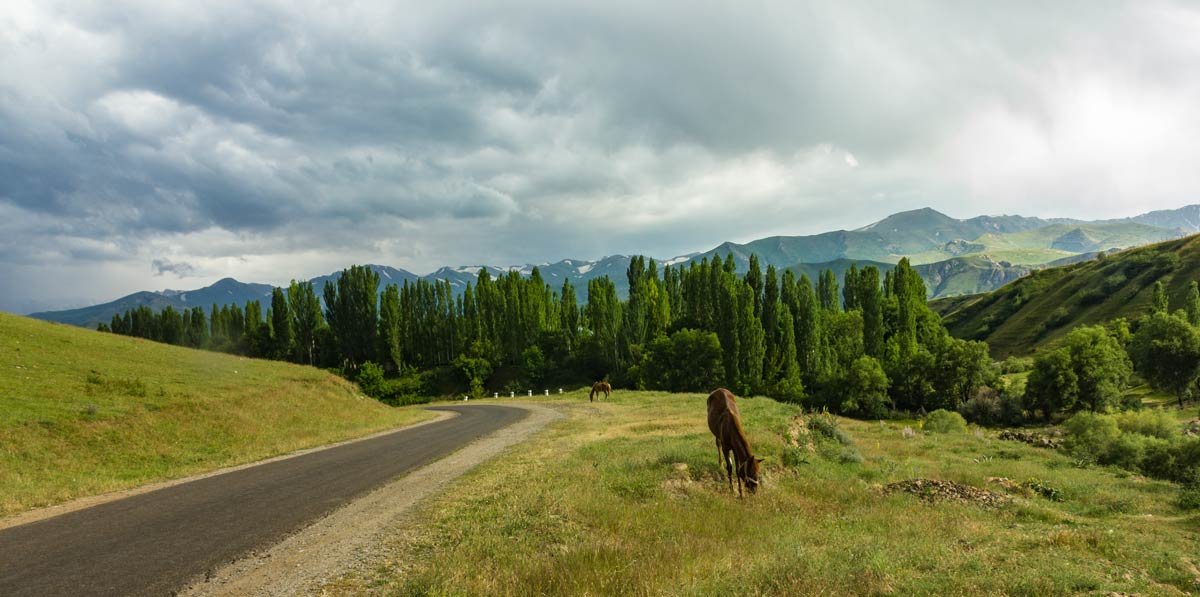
(181, 269)
(235, 134)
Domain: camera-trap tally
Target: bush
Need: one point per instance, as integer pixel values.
(370, 379)
(1057, 317)
(945, 421)
(688, 361)
(826, 427)
(1090, 434)
(865, 390)
(1153, 423)
(1016, 365)
(983, 408)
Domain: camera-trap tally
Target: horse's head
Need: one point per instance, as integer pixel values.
(750, 474)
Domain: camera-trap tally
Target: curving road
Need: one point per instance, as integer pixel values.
(153, 543)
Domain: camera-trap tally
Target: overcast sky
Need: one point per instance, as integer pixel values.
(147, 145)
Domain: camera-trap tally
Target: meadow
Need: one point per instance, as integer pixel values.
(84, 413)
(625, 497)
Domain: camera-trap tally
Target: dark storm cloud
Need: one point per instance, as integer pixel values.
(235, 136)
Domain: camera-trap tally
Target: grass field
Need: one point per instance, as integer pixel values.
(83, 412)
(625, 497)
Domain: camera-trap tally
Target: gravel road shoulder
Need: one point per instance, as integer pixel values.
(354, 534)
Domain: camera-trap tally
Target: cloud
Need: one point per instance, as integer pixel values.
(271, 140)
(180, 269)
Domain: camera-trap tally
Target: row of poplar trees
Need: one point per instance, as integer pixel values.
(693, 327)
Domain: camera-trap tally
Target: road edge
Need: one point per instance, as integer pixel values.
(353, 534)
(84, 503)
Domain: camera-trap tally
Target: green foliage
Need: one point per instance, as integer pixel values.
(1160, 304)
(688, 360)
(1142, 442)
(1043, 489)
(370, 379)
(1053, 385)
(1166, 352)
(944, 421)
(474, 368)
(866, 389)
(533, 362)
(1152, 422)
(989, 407)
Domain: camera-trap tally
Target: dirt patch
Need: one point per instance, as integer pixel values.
(933, 491)
(353, 537)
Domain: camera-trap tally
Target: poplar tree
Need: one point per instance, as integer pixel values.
(827, 291)
(352, 310)
(1160, 298)
(772, 359)
(1193, 304)
(754, 278)
(306, 321)
(850, 288)
(808, 330)
(281, 325)
(389, 329)
(870, 302)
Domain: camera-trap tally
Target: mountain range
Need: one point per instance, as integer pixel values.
(955, 257)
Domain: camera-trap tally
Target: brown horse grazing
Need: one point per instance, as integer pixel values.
(725, 422)
(600, 386)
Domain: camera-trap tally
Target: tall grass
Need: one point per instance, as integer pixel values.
(626, 497)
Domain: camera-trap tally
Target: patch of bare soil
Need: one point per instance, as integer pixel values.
(933, 491)
(354, 536)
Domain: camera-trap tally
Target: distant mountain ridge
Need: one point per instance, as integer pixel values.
(955, 257)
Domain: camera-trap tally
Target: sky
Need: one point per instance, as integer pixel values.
(157, 144)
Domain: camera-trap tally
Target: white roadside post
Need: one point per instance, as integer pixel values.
(465, 398)
(495, 394)
(530, 393)
(547, 392)
(511, 394)
(560, 390)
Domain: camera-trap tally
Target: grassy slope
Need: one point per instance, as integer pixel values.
(595, 505)
(1013, 319)
(82, 412)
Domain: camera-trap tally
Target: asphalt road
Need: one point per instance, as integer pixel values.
(153, 543)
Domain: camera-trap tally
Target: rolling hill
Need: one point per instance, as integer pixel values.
(1039, 309)
(84, 412)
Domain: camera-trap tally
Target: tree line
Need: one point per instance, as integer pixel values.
(860, 345)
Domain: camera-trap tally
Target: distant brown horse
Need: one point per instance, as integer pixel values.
(600, 386)
(725, 422)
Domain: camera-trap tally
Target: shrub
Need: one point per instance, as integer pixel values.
(1152, 422)
(989, 408)
(826, 427)
(1089, 435)
(370, 379)
(1016, 365)
(1189, 497)
(944, 421)
(866, 389)
(1057, 317)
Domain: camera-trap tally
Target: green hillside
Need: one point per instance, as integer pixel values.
(1041, 308)
(85, 412)
(951, 277)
